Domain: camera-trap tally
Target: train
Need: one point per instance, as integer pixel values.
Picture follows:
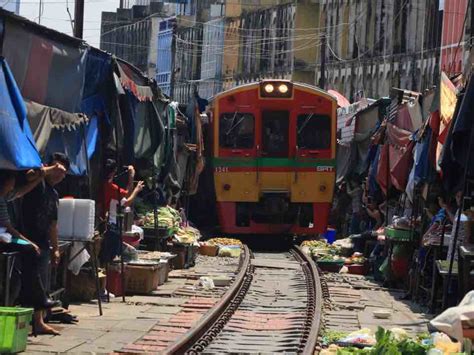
(273, 158)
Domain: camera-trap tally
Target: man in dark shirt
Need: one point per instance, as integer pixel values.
(32, 289)
(40, 216)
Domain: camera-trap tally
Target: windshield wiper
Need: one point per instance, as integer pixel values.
(232, 127)
(305, 123)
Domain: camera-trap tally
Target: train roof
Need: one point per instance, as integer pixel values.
(256, 83)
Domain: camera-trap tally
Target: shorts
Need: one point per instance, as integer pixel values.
(44, 265)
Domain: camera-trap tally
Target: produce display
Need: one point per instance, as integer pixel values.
(355, 259)
(395, 341)
(223, 241)
(322, 250)
(187, 235)
(168, 217)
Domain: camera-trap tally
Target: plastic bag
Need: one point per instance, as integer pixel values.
(207, 283)
(79, 260)
(363, 336)
(450, 321)
(232, 252)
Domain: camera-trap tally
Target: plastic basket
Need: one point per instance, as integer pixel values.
(14, 328)
(330, 266)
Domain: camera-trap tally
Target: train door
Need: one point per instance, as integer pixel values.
(275, 134)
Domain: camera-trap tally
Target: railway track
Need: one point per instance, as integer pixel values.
(274, 305)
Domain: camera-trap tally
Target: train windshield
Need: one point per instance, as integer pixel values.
(314, 131)
(237, 130)
(275, 133)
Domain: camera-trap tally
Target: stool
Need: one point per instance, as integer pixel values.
(442, 269)
(9, 266)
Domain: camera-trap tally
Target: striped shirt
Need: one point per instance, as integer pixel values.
(4, 216)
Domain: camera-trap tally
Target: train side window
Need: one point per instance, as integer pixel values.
(314, 131)
(237, 130)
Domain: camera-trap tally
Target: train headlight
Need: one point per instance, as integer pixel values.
(269, 88)
(276, 89)
(283, 88)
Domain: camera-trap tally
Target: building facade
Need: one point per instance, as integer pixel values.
(11, 5)
(367, 46)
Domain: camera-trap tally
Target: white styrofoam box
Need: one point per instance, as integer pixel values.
(76, 219)
(84, 214)
(65, 218)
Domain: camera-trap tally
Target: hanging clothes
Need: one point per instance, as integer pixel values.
(44, 119)
(345, 157)
(463, 129)
(198, 161)
(396, 153)
(17, 147)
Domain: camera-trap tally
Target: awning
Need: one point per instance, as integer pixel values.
(341, 100)
(134, 82)
(17, 148)
(47, 71)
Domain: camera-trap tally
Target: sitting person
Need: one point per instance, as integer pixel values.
(32, 288)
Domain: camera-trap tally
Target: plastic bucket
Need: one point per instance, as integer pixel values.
(14, 328)
(330, 235)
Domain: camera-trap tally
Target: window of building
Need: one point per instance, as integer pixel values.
(314, 131)
(237, 130)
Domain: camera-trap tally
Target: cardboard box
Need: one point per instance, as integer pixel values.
(142, 279)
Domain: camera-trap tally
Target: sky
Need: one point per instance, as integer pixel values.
(54, 15)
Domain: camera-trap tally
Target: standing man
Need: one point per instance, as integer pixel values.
(40, 217)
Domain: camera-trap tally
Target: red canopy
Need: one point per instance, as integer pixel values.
(341, 100)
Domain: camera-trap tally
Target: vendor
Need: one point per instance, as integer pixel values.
(40, 217)
(112, 193)
(454, 217)
(32, 292)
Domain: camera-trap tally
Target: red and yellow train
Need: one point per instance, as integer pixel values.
(274, 150)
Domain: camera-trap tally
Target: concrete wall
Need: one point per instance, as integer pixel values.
(374, 45)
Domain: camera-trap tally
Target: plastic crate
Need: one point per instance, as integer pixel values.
(399, 235)
(14, 328)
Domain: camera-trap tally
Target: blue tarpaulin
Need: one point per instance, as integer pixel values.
(71, 143)
(17, 147)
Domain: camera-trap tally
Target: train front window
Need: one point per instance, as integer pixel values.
(314, 131)
(237, 130)
(275, 133)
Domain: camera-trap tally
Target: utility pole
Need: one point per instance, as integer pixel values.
(322, 79)
(79, 19)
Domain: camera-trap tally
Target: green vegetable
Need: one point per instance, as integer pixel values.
(388, 345)
(333, 336)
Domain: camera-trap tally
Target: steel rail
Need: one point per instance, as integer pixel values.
(209, 327)
(315, 301)
(189, 339)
